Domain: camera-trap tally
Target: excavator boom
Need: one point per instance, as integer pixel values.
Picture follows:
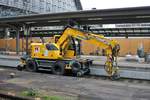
(111, 47)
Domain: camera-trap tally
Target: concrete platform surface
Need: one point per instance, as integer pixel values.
(99, 61)
(9, 57)
(87, 89)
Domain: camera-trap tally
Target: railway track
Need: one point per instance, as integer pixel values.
(12, 97)
(133, 81)
(143, 74)
(124, 80)
(102, 75)
(139, 76)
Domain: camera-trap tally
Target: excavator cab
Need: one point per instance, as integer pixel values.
(45, 51)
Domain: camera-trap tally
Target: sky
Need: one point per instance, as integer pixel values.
(106, 4)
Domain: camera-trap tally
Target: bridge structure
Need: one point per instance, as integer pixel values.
(81, 18)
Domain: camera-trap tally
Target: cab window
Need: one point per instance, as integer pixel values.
(51, 47)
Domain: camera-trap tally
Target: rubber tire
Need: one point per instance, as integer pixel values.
(31, 66)
(58, 68)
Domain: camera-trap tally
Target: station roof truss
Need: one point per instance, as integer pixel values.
(88, 17)
(107, 32)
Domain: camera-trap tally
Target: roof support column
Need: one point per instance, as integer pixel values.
(26, 33)
(7, 33)
(17, 42)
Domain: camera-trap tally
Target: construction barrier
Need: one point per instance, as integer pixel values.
(128, 46)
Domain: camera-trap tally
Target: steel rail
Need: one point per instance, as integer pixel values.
(12, 97)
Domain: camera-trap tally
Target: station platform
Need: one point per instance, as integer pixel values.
(9, 60)
(98, 61)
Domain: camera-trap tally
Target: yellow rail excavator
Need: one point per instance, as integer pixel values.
(63, 55)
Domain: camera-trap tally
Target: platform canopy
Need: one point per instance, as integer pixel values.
(88, 17)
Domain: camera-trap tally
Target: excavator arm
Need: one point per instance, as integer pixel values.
(111, 47)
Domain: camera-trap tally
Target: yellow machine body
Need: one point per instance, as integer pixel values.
(40, 50)
(63, 47)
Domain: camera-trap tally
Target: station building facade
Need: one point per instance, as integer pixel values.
(10, 8)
